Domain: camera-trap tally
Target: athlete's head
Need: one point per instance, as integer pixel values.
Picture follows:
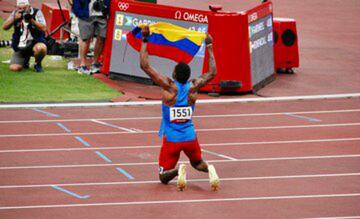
(182, 72)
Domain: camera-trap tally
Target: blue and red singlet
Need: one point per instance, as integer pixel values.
(177, 130)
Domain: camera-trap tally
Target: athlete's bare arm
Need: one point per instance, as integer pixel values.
(207, 77)
(158, 78)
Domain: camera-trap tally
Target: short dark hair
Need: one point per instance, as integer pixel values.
(182, 72)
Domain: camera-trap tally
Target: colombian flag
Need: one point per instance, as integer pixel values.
(168, 41)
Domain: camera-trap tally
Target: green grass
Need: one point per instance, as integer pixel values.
(55, 84)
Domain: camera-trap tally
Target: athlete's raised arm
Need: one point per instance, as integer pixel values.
(207, 77)
(158, 78)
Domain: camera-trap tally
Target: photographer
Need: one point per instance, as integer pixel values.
(92, 16)
(29, 36)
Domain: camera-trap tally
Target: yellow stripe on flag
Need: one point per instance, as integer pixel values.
(174, 33)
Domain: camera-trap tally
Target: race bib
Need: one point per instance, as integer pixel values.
(180, 114)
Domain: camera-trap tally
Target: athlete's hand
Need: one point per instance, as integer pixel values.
(208, 39)
(196, 82)
(145, 31)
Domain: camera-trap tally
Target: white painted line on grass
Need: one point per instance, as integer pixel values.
(209, 101)
(197, 116)
(156, 163)
(113, 126)
(162, 202)
(198, 130)
(218, 154)
(189, 180)
(202, 145)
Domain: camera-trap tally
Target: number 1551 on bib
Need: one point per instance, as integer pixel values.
(180, 114)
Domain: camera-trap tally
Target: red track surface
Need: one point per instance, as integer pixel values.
(272, 164)
(276, 160)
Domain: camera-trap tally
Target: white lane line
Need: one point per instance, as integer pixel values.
(197, 116)
(281, 127)
(202, 145)
(339, 217)
(190, 180)
(210, 101)
(157, 202)
(198, 130)
(156, 163)
(284, 142)
(80, 149)
(113, 126)
(218, 154)
(137, 130)
(81, 120)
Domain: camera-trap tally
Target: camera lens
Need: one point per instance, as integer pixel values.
(27, 16)
(98, 5)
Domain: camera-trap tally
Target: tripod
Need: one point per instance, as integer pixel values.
(64, 26)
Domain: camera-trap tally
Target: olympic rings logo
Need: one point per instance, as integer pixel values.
(123, 6)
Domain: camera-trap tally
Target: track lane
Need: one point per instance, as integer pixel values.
(129, 154)
(288, 208)
(149, 170)
(201, 122)
(194, 191)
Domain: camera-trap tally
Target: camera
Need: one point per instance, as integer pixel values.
(99, 5)
(26, 16)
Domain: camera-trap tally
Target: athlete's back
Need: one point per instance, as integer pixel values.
(176, 124)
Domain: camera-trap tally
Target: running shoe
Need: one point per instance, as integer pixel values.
(84, 70)
(95, 68)
(213, 177)
(38, 68)
(181, 182)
